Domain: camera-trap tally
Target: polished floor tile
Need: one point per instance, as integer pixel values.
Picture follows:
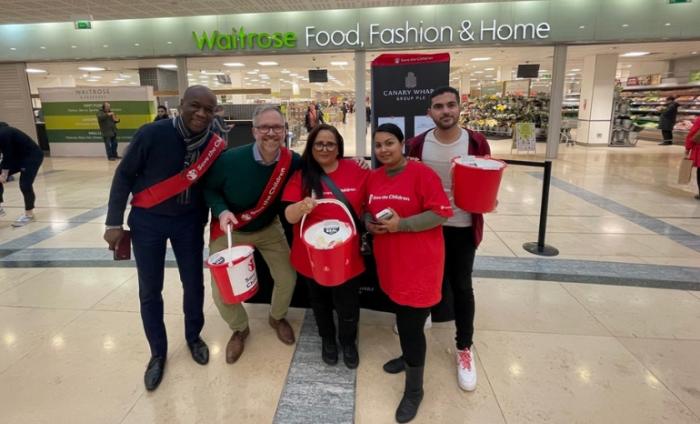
(539, 378)
(23, 329)
(674, 363)
(691, 225)
(66, 288)
(530, 306)
(587, 245)
(641, 312)
(12, 277)
(83, 235)
(100, 356)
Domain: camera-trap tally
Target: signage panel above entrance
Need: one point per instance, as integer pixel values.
(415, 27)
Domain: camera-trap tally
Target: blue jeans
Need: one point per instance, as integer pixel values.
(149, 235)
(111, 146)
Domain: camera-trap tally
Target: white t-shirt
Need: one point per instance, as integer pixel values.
(438, 156)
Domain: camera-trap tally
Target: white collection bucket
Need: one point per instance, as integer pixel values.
(233, 271)
(328, 244)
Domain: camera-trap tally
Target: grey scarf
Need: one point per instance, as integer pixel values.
(193, 145)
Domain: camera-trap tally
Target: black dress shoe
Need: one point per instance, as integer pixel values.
(200, 351)
(329, 351)
(154, 373)
(350, 356)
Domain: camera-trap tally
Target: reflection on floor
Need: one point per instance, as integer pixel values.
(608, 331)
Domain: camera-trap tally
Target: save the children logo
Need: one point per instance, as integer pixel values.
(192, 175)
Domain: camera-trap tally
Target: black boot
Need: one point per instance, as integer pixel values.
(412, 395)
(329, 350)
(351, 357)
(395, 366)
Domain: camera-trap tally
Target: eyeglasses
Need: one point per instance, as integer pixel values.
(265, 129)
(329, 147)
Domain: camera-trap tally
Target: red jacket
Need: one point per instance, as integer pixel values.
(478, 146)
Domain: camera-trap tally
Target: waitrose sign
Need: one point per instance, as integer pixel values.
(374, 35)
(376, 28)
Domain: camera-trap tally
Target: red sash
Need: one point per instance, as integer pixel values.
(270, 193)
(164, 190)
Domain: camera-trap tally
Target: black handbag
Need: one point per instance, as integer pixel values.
(365, 236)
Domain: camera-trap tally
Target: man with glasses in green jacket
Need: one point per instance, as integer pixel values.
(243, 189)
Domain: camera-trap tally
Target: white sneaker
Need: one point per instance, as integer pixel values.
(428, 324)
(22, 221)
(466, 370)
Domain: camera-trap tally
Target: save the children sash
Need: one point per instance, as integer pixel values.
(164, 190)
(269, 194)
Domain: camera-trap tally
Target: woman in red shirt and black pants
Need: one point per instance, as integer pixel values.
(406, 207)
(323, 165)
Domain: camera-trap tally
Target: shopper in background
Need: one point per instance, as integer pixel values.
(368, 116)
(107, 121)
(463, 231)
(692, 149)
(668, 120)
(243, 190)
(162, 113)
(406, 207)
(344, 110)
(325, 174)
(19, 154)
(311, 119)
(220, 125)
(162, 210)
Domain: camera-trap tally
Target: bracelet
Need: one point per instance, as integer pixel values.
(113, 227)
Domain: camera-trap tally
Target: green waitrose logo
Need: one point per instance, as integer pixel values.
(240, 40)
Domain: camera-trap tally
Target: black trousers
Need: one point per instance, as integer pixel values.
(698, 178)
(149, 236)
(410, 322)
(27, 175)
(667, 135)
(459, 263)
(345, 299)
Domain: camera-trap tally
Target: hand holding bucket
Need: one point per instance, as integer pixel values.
(233, 271)
(329, 246)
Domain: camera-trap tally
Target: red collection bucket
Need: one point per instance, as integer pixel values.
(475, 182)
(329, 246)
(233, 271)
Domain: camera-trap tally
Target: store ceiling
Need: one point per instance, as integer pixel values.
(506, 58)
(34, 11)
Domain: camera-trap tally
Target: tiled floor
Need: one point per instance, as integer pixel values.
(578, 338)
